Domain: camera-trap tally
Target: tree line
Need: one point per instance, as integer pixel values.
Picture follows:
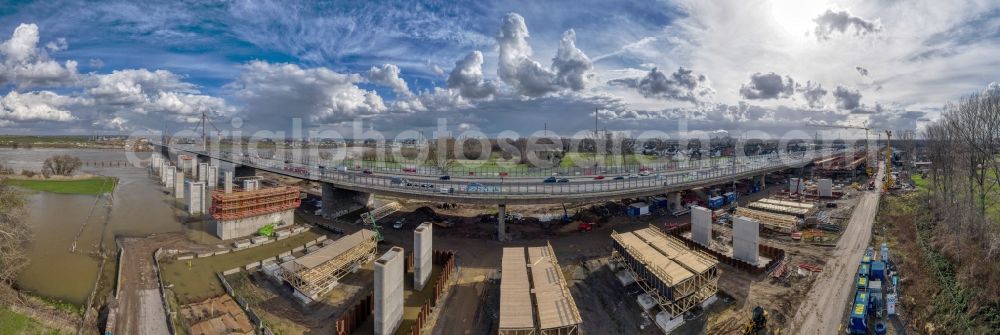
(963, 148)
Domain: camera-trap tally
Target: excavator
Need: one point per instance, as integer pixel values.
(757, 325)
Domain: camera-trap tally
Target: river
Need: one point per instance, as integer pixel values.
(139, 207)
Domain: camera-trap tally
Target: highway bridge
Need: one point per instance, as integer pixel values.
(348, 188)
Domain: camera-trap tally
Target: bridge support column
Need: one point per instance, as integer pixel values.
(338, 201)
(674, 200)
(501, 224)
(241, 171)
(761, 182)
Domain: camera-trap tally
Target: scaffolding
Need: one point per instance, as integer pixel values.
(317, 272)
(535, 281)
(240, 205)
(676, 277)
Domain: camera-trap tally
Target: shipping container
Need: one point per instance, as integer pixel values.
(638, 209)
(730, 197)
(858, 324)
(716, 202)
(878, 270)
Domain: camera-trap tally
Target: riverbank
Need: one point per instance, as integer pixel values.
(89, 185)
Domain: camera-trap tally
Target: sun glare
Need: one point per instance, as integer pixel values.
(796, 16)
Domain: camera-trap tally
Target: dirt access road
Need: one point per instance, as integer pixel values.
(823, 308)
(140, 309)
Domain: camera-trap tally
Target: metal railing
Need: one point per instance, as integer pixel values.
(500, 186)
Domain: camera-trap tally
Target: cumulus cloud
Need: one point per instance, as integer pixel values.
(276, 92)
(467, 78)
(683, 85)
(763, 86)
(862, 71)
(435, 68)
(570, 67)
(813, 93)
(388, 75)
(847, 99)
(36, 106)
(831, 22)
(27, 65)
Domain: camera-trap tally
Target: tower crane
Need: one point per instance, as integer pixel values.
(888, 161)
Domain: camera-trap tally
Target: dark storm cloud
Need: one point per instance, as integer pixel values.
(683, 85)
(813, 93)
(847, 99)
(763, 86)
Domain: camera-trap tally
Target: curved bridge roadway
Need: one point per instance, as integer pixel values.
(521, 191)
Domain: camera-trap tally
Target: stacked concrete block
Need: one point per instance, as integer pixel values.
(423, 254)
(179, 184)
(195, 193)
(825, 188)
(746, 239)
(389, 274)
(227, 182)
(701, 225)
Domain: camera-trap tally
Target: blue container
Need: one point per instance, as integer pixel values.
(858, 324)
(730, 197)
(861, 282)
(869, 256)
(864, 270)
(878, 270)
(716, 202)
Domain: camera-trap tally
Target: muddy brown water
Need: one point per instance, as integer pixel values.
(139, 207)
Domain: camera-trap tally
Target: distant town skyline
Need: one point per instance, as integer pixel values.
(116, 67)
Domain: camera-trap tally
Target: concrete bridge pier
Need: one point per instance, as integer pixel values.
(501, 224)
(674, 201)
(760, 181)
(241, 171)
(338, 201)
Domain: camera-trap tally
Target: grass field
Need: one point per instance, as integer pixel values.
(91, 186)
(12, 323)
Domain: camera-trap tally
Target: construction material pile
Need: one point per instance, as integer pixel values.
(778, 222)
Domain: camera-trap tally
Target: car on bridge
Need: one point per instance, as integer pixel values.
(563, 180)
(445, 177)
(599, 177)
(550, 180)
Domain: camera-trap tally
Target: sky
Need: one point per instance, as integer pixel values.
(751, 68)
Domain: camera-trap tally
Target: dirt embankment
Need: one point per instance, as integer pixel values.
(946, 287)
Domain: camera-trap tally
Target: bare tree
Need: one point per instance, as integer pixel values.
(14, 234)
(62, 165)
